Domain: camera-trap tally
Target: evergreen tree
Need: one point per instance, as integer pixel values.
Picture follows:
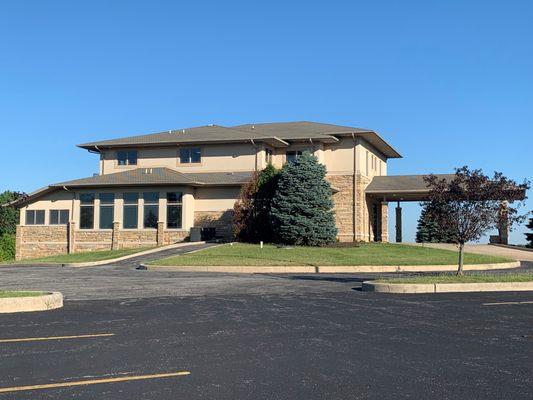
(302, 205)
(428, 229)
(529, 235)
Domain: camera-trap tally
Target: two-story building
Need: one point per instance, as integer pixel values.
(151, 189)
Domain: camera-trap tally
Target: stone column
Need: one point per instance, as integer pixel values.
(160, 233)
(71, 237)
(384, 221)
(115, 236)
(503, 225)
(398, 224)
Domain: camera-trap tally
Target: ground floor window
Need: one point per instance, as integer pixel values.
(174, 203)
(293, 155)
(87, 211)
(151, 209)
(59, 217)
(35, 217)
(130, 214)
(107, 210)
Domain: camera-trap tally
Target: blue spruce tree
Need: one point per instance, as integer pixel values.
(301, 209)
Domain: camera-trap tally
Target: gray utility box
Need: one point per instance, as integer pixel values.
(196, 234)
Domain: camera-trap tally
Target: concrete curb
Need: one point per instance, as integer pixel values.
(369, 286)
(330, 269)
(45, 302)
(104, 262)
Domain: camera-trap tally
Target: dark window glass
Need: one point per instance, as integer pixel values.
(190, 155)
(174, 197)
(63, 217)
(86, 217)
(151, 197)
(293, 155)
(35, 217)
(127, 157)
(87, 210)
(87, 198)
(174, 210)
(59, 217)
(268, 153)
(151, 209)
(107, 208)
(151, 215)
(130, 210)
(107, 198)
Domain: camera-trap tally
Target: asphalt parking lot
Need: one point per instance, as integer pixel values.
(216, 336)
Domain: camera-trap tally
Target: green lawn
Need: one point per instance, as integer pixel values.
(366, 254)
(86, 256)
(10, 293)
(471, 278)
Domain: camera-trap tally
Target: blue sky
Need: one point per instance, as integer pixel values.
(448, 83)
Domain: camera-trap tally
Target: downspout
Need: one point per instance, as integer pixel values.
(354, 207)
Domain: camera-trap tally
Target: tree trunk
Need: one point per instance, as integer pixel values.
(461, 258)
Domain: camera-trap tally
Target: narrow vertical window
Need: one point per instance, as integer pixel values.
(107, 210)
(268, 156)
(151, 209)
(130, 214)
(87, 211)
(174, 203)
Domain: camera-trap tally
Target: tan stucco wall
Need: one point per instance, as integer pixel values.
(215, 158)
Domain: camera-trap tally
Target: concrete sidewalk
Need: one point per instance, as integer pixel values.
(515, 254)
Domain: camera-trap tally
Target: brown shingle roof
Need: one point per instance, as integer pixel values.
(158, 176)
(276, 134)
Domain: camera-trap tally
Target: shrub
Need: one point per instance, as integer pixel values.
(7, 247)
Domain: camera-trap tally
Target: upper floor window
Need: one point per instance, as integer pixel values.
(292, 156)
(58, 217)
(35, 217)
(127, 157)
(190, 155)
(87, 211)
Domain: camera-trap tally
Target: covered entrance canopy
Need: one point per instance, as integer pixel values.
(411, 188)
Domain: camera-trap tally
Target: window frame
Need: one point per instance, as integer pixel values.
(269, 155)
(85, 205)
(130, 156)
(34, 219)
(150, 203)
(106, 204)
(189, 161)
(175, 204)
(60, 213)
(130, 204)
(297, 153)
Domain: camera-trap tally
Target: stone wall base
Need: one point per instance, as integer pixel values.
(44, 241)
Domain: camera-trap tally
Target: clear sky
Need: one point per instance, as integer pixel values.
(447, 83)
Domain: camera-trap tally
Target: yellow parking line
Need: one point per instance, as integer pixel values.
(92, 382)
(32, 339)
(508, 303)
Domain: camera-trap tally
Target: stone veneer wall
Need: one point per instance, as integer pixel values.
(221, 220)
(33, 241)
(40, 241)
(347, 206)
(343, 206)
